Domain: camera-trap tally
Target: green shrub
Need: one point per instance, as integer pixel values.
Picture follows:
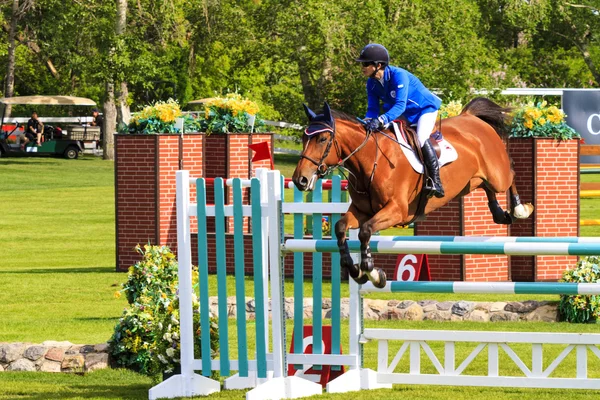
(146, 339)
(581, 308)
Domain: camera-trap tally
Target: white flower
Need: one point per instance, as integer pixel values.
(163, 359)
(170, 352)
(173, 320)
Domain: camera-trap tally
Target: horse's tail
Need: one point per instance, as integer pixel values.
(490, 112)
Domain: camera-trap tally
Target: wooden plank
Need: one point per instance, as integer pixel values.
(590, 150)
(590, 186)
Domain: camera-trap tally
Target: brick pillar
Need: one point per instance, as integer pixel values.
(547, 172)
(145, 192)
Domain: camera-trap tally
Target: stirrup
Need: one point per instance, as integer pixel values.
(432, 189)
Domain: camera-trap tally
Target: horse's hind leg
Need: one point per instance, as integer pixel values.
(500, 216)
(520, 211)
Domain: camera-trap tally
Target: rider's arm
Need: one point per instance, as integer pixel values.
(399, 82)
(373, 100)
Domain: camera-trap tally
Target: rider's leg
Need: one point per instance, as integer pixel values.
(425, 126)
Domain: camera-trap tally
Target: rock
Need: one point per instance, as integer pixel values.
(414, 313)
(392, 303)
(101, 348)
(73, 350)
(479, 316)
(251, 306)
(462, 307)
(485, 306)
(88, 348)
(326, 304)
(429, 308)
(288, 311)
(52, 343)
(445, 305)
(1, 368)
(497, 306)
(405, 304)
(35, 352)
(96, 361)
(437, 315)
(73, 362)
(525, 307)
(503, 316)
(548, 313)
(455, 317)
(424, 303)
(55, 354)
(50, 366)
(11, 351)
(22, 364)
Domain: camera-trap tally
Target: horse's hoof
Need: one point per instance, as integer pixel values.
(353, 270)
(523, 211)
(367, 264)
(380, 284)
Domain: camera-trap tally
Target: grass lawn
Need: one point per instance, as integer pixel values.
(57, 282)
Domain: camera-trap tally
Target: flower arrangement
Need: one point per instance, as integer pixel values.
(228, 114)
(541, 120)
(160, 117)
(581, 308)
(452, 109)
(146, 338)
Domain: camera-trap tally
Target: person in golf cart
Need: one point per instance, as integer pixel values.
(34, 131)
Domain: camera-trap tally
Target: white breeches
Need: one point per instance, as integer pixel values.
(425, 126)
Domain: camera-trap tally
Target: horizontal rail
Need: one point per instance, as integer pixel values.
(567, 288)
(489, 239)
(424, 247)
(327, 185)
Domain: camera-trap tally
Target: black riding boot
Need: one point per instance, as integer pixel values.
(433, 184)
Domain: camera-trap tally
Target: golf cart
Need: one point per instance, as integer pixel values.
(68, 143)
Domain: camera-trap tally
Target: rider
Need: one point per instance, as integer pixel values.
(402, 93)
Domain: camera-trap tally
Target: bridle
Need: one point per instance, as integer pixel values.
(324, 169)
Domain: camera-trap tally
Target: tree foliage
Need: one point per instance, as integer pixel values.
(281, 53)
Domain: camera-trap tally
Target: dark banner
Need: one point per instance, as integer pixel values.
(583, 114)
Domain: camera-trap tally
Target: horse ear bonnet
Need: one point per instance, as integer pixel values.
(326, 121)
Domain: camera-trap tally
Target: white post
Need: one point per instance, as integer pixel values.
(188, 383)
(280, 387)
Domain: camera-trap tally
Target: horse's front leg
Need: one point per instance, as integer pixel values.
(348, 221)
(390, 215)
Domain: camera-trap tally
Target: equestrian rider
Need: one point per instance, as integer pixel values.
(402, 93)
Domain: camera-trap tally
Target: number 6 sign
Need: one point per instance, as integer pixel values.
(410, 266)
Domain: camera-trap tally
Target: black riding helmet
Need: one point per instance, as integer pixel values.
(374, 53)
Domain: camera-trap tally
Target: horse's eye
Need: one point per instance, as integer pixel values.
(322, 139)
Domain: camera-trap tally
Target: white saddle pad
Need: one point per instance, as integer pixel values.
(447, 155)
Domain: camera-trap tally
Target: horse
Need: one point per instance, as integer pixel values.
(384, 188)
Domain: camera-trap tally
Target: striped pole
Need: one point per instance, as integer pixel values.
(567, 288)
(424, 247)
(492, 239)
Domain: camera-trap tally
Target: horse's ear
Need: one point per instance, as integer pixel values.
(309, 113)
(327, 112)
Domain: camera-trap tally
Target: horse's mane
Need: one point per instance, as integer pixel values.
(344, 116)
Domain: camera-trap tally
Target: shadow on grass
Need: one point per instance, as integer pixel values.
(91, 270)
(20, 160)
(135, 391)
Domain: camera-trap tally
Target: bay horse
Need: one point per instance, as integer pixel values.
(384, 188)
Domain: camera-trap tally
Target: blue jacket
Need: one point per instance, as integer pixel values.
(402, 93)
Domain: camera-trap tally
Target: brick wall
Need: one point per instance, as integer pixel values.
(135, 195)
(553, 167)
(145, 187)
(444, 221)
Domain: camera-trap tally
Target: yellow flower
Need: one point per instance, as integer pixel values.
(117, 294)
(528, 123)
(542, 121)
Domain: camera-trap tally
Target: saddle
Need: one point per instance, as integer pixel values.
(410, 135)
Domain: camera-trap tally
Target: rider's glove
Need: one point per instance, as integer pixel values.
(374, 124)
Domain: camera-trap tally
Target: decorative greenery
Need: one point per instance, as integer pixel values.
(156, 118)
(146, 339)
(452, 109)
(228, 114)
(541, 120)
(581, 308)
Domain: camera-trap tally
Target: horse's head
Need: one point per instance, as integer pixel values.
(317, 155)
